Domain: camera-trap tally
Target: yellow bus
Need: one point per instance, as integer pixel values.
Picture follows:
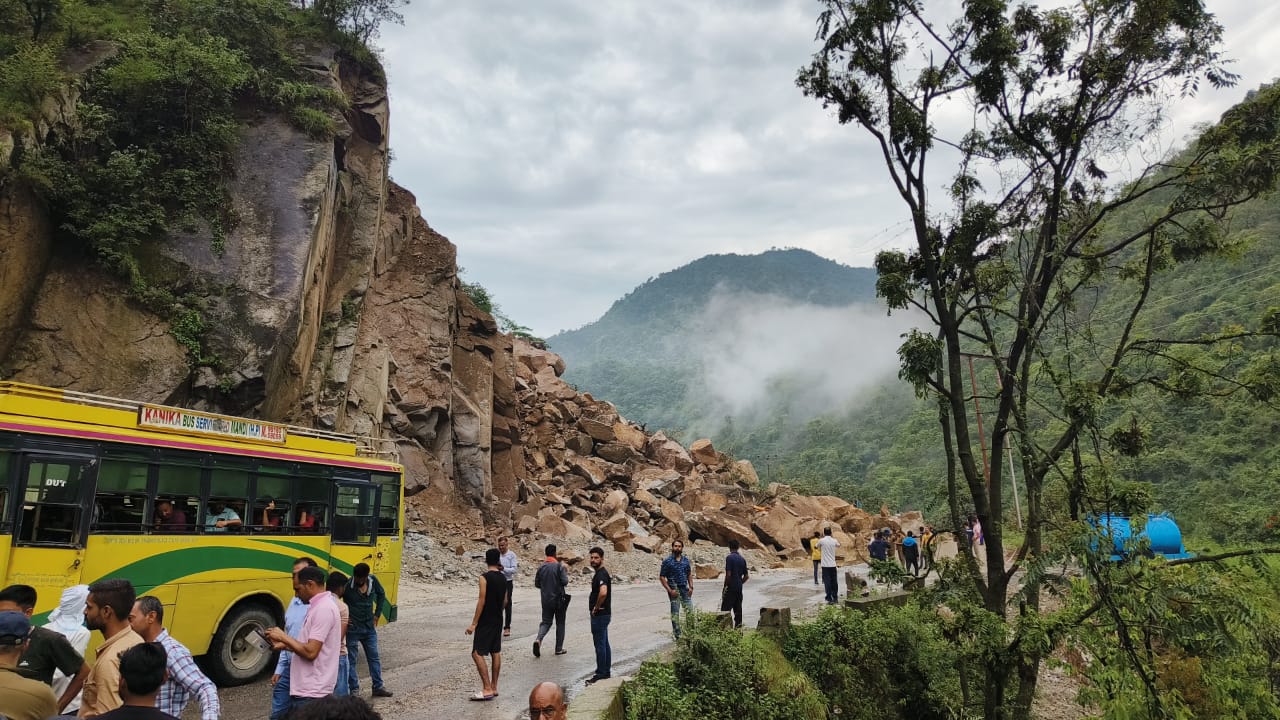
(94, 487)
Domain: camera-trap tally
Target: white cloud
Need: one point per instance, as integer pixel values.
(573, 148)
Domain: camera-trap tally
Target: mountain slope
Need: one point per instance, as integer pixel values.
(659, 352)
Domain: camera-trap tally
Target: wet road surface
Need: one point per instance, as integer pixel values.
(426, 658)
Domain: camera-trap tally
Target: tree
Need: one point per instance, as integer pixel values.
(361, 18)
(42, 14)
(1031, 240)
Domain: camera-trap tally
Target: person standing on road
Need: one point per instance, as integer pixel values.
(911, 553)
(735, 574)
(486, 625)
(509, 564)
(336, 584)
(364, 597)
(313, 670)
(546, 702)
(926, 547)
(21, 698)
(107, 611)
(879, 547)
(142, 670)
(68, 621)
(815, 554)
(600, 604)
(551, 580)
(184, 679)
(48, 652)
(827, 545)
(294, 615)
(676, 576)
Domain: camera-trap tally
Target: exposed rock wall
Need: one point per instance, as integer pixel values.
(333, 303)
(26, 236)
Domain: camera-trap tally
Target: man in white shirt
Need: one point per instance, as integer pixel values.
(830, 582)
(509, 562)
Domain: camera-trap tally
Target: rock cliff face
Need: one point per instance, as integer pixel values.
(332, 303)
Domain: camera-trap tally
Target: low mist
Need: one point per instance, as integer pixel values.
(764, 354)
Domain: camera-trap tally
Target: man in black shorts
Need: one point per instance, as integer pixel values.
(486, 625)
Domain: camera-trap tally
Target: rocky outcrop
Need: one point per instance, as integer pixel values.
(332, 303)
(26, 232)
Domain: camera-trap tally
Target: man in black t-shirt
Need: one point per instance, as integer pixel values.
(47, 650)
(600, 603)
(486, 625)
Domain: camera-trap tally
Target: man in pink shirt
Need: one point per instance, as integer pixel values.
(314, 669)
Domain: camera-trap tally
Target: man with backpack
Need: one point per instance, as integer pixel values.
(551, 580)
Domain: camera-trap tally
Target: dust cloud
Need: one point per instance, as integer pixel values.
(762, 355)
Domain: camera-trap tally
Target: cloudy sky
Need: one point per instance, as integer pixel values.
(574, 148)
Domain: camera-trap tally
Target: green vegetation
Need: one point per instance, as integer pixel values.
(1021, 273)
(1203, 636)
(635, 354)
(483, 300)
(160, 107)
(721, 674)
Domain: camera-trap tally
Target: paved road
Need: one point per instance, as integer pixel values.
(426, 657)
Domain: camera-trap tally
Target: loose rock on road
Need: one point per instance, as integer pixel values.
(426, 658)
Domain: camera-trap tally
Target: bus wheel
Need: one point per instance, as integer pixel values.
(234, 659)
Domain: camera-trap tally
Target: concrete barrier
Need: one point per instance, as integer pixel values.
(601, 700)
(774, 622)
(896, 598)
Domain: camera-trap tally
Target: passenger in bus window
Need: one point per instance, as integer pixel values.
(306, 518)
(221, 517)
(270, 518)
(170, 518)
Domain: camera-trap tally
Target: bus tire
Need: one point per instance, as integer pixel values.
(232, 659)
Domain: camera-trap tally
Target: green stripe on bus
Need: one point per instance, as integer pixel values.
(177, 564)
(330, 560)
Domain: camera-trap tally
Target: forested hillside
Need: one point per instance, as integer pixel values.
(1209, 451)
(645, 353)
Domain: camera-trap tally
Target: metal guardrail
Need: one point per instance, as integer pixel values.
(366, 446)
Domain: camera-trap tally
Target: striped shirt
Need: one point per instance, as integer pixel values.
(184, 681)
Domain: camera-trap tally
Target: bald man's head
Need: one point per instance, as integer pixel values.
(546, 702)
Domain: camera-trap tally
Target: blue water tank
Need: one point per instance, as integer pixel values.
(1161, 530)
(1166, 537)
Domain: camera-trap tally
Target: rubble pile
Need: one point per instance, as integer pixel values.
(592, 477)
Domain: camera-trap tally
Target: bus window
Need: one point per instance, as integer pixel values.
(353, 515)
(274, 490)
(121, 499)
(388, 504)
(177, 499)
(5, 459)
(51, 501)
(311, 505)
(225, 511)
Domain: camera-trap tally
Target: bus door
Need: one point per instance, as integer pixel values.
(49, 523)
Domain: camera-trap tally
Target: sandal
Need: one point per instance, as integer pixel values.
(506, 632)
(481, 697)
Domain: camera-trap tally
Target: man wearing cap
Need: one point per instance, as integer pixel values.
(20, 698)
(47, 651)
